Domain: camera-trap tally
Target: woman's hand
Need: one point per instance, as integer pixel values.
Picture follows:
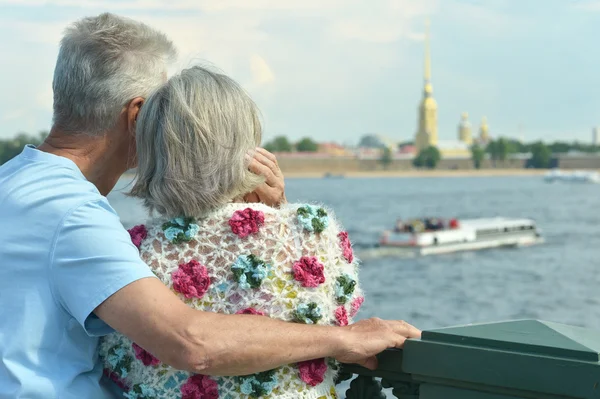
(272, 191)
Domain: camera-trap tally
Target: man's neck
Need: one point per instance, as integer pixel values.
(94, 155)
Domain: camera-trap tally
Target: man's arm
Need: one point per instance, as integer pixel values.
(148, 313)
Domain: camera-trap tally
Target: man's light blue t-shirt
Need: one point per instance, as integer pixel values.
(63, 251)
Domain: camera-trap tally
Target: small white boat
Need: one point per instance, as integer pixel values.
(463, 235)
(578, 176)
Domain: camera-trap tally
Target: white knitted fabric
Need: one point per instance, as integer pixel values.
(281, 241)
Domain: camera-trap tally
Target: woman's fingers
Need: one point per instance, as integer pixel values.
(267, 154)
(264, 160)
(261, 169)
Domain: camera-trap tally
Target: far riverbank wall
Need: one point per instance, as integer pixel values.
(342, 165)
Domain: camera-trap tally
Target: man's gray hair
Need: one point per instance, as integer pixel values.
(103, 63)
(193, 136)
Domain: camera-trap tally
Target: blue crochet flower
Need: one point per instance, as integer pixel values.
(312, 218)
(344, 288)
(249, 271)
(259, 384)
(308, 313)
(140, 391)
(119, 361)
(180, 230)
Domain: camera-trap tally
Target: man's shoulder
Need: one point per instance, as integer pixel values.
(45, 191)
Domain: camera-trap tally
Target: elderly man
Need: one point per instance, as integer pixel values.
(68, 270)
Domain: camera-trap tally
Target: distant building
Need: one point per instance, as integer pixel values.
(464, 129)
(333, 149)
(596, 136)
(484, 132)
(427, 130)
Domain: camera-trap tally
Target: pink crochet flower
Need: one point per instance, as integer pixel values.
(138, 234)
(355, 305)
(111, 375)
(200, 387)
(341, 316)
(191, 279)
(309, 271)
(250, 311)
(146, 357)
(346, 246)
(312, 371)
(246, 222)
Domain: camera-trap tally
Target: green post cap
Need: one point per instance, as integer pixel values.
(510, 357)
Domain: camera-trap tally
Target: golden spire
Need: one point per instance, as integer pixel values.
(427, 53)
(427, 72)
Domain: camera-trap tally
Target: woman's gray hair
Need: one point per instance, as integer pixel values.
(193, 137)
(103, 63)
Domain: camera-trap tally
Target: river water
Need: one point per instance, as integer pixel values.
(556, 281)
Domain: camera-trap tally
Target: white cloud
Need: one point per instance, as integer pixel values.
(292, 54)
(261, 71)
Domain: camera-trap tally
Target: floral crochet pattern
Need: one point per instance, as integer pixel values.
(312, 371)
(138, 234)
(344, 288)
(140, 391)
(341, 316)
(309, 271)
(250, 311)
(215, 270)
(180, 230)
(111, 375)
(312, 218)
(346, 247)
(308, 313)
(259, 384)
(200, 387)
(249, 271)
(246, 222)
(119, 360)
(355, 305)
(191, 279)
(146, 357)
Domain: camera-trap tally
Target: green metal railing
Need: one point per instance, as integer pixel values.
(507, 360)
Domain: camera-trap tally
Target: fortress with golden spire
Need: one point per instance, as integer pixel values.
(427, 133)
(427, 130)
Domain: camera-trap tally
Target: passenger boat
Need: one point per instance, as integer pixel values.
(436, 236)
(578, 176)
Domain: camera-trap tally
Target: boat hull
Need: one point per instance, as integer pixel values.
(392, 250)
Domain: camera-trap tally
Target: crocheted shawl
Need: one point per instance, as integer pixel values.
(293, 264)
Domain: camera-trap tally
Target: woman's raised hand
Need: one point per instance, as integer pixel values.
(272, 191)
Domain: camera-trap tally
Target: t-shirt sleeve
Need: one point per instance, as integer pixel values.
(93, 257)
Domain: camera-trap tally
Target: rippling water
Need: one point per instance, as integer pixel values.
(556, 281)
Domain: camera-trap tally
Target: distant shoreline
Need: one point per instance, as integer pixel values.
(421, 173)
(379, 174)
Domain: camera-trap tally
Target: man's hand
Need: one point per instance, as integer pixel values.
(366, 338)
(272, 191)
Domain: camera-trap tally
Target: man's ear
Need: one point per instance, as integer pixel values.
(133, 110)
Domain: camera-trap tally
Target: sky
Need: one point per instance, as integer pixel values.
(335, 70)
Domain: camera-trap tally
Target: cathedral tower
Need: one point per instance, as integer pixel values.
(484, 131)
(427, 133)
(464, 129)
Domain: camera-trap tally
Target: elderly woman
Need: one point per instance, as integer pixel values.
(221, 252)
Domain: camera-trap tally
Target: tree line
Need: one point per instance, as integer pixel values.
(500, 150)
(282, 144)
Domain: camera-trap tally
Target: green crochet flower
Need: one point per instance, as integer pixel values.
(259, 384)
(312, 218)
(180, 229)
(344, 288)
(308, 313)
